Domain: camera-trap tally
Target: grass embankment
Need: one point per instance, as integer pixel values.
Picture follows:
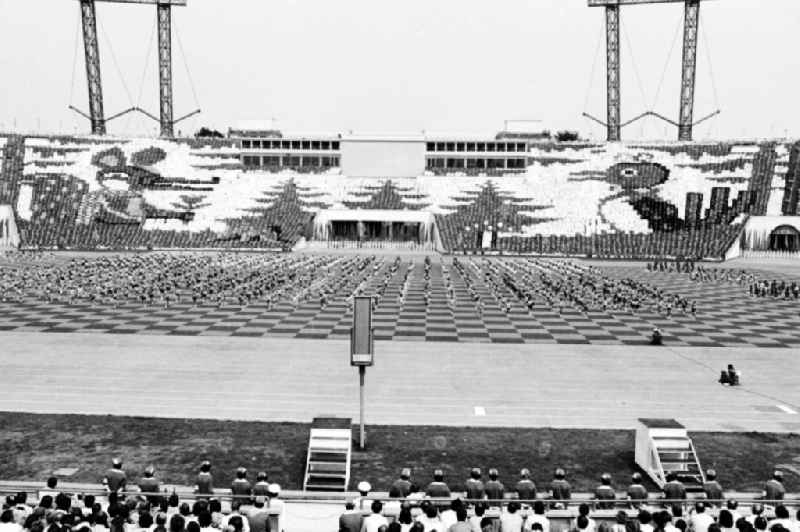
(33, 445)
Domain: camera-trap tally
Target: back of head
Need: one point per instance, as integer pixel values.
(261, 476)
(52, 482)
(513, 506)
(461, 514)
(177, 523)
(475, 473)
(349, 505)
(711, 474)
(732, 504)
(583, 509)
(431, 511)
(192, 526)
(394, 526)
(438, 475)
(760, 523)
(725, 519)
(622, 517)
(146, 520)
(7, 516)
(525, 473)
(713, 527)
(480, 509)
(405, 473)
(377, 507)
(781, 512)
(493, 474)
(644, 517)
(538, 507)
(559, 473)
(583, 522)
(605, 479)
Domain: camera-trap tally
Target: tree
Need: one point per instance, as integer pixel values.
(190, 203)
(567, 136)
(205, 132)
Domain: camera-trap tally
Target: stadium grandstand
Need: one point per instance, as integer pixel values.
(546, 333)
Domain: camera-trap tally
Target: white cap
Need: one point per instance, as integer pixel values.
(364, 486)
(274, 489)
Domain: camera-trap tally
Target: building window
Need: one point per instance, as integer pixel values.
(256, 144)
(431, 146)
(291, 160)
(306, 144)
(295, 144)
(285, 145)
(522, 147)
(470, 146)
(490, 146)
(336, 160)
(481, 146)
(314, 144)
(325, 145)
(440, 146)
(460, 146)
(335, 145)
(272, 161)
(451, 146)
(245, 144)
(511, 147)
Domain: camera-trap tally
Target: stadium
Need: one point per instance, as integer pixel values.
(274, 330)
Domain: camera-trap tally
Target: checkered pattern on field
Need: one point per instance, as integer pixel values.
(727, 316)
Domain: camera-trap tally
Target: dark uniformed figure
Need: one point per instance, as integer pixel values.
(115, 479)
(437, 488)
(205, 480)
(773, 489)
(474, 484)
(674, 488)
(525, 488)
(241, 488)
(402, 486)
(604, 492)
(712, 488)
(261, 486)
(494, 488)
(637, 493)
(559, 487)
(149, 484)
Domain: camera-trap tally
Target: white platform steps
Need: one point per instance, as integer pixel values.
(330, 445)
(664, 446)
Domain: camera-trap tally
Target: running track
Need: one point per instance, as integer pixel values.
(283, 379)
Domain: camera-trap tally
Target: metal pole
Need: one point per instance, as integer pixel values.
(165, 68)
(613, 98)
(689, 67)
(361, 372)
(92, 55)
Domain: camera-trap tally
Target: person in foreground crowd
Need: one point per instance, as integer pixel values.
(375, 522)
(351, 519)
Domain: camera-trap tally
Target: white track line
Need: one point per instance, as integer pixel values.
(480, 411)
(787, 409)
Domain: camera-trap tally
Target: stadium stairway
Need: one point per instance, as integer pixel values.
(330, 445)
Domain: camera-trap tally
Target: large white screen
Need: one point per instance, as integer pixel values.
(382, 157)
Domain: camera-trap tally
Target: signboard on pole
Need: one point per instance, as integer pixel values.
(361, 339)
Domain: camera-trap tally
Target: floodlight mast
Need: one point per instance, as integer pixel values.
(92, 54)
(691, 25)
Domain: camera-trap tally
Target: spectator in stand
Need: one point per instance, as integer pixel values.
(494, 488)
(700, 521)
(760, 524)
(584, 510)
(560, 489)
(725, 521)
(645, 519)
(581, 524)
(449, 517)
(205, 480)
(620, 522)
(241, 487)
(604, 492)
(438, 489)
(7, 523)
(21, 509)
(733, 508)
(402, 486)
(430, 518)
(712, 488)
(637, 493)
(258, 516)
(461, 524)
(525, 488)
(115, 479)
(477, 517)
(375, 522)
(755, 512)
(474, 485)
(773, 489)
(783, 519)
(538, 518)
(150, 486)
(405, 518)
(351, 519)
(511, 520)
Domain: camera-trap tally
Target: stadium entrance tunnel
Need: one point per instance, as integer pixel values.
(784, 238)
(365, 225)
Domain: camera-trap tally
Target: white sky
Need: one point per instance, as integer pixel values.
(380, 66)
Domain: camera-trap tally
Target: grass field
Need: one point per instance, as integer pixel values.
(33, 445)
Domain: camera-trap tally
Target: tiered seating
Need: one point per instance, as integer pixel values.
(573, 198)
